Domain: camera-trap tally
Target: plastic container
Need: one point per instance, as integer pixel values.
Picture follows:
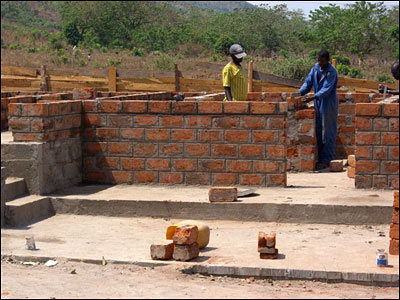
(204, 232)
(381, 258)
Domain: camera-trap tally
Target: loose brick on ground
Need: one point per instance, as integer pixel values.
(222, 194)
(185, 235)
(269, 256)
(162, 251)
(351, 160)
(186, 252)
(336, 166)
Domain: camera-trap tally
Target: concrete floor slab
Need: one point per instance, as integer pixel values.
(317, 248)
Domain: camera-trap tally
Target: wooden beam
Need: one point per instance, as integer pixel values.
(177, 87)
(44, 79)
(32, 72)
(112, 79)
(334, 63)
(250, 77)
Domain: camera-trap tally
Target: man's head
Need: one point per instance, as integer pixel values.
(323, 59)
(237, 53)
(395, 70)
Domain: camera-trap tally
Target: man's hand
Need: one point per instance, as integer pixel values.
(307, 99)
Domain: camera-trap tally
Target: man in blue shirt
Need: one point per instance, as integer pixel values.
(323, 80)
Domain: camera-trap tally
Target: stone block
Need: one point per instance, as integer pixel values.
(186, 252)
(185, 235)
(336, 166)
(222, 194)
(269, 256)
(162, 251)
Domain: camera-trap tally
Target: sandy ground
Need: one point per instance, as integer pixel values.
(125, 281)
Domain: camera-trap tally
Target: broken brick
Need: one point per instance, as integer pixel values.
(186, 252)
(351, 172)
(267, 250)
(185, 235)
(269, 256)
(351, 160)
(162, 251)
(270, 240)
(336, 166)
(222, 194)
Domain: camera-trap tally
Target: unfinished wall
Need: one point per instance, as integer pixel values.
(185, 142)
(377, 146)
(48, 150)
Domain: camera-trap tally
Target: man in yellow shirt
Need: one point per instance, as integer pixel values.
(233, 78)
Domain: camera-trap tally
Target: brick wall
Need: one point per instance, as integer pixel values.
(185, 142)
(377, 146)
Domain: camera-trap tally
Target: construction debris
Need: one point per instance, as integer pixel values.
(185, 238)
(351, 169)
(162, 251)
(266, 246)
(336, 165)
(222, 194)
(203, 232)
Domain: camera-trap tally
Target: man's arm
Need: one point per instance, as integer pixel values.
(308, 83)
(228, 93)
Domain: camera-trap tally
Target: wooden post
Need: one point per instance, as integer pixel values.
(44, 84)
(112, 79)
(250, 77)
(177, 87)
(334, 63)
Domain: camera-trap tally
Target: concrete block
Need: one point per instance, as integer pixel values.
(351, 160)
(162, 251)
(222, 194)
(394, 247)
(269, 256)
(15, 188)
(186, 252)
(336, 166)
(185, 235)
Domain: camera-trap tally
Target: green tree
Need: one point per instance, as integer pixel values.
(72, 33)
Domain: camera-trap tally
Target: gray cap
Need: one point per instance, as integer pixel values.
(237, 50)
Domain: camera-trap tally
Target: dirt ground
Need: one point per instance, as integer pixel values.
(80, 280)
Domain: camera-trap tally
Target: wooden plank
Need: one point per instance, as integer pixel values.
(32, 72)
(362, 83)
(145, 87)
(78, 79)
(112, 79)
(177, 89)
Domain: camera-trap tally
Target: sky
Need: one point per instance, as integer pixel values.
(308, 6)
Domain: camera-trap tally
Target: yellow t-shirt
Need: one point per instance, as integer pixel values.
(233, 76)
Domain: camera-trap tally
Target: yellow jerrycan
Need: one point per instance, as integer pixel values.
(204, 232)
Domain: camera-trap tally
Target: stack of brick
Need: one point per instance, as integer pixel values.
(351, 168)
(377, 146)
(266, 246)
(394, 227)
(185, 243)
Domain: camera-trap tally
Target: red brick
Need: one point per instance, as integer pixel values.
(132, 163)
(186, 107)
(89, 106)
(158, 164)
(157, 134)
(224, 150)
(119, 148)
(262, 243)
(14, 109)
(197, 149)
(393, 153)
(363, 123)
(232, 107)
(394, 231)
(347, 109)
(197, 178)
(395, 215)
(96, 176)
(42, 125)
(145, 120)
(211, 165)
(305, 114)
(210, 107)
(276, 179)
(263, 108)
(391, 109)
(269, 256)
(279, 123)
(351, 160)
(379, 182)
(389, 167)
(307, 150)
(252, 179)
(183, 134)
(171, 121)
(132, 133)
(173, 178)
(360, 97)
(253, 122)
(265, 166)
(394, 124)
(222, 194)
(346, 130)
(209, 135)
(95, 148)
(236, 136)
(135, 106)
(390, 138)
(368, 109)
(110, 106)
(145, 177)
(171, 149)
(351, 172)
(394, 247)
(252, 151)
(28, 137)
(307, 165)
(396, 199)
(276, 151)
(91, 120)
(238, 166)
(35, 109)
(89, 134)
(380, 124)
(186, 252)
(76, 121)
(363, 152)
(367, 166)
(336, 165)
(19, 124)
(185, 235)
(225, 179)
(119, 121)
(184, 164)
(380, 153)
(107, 133)
(162, 251)
(226, 122)
(120, 177)
(107, 162)
(144, 149)
(198, 121)
(367, 138)
(65, 107)
(263, 136)
(159, 107)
